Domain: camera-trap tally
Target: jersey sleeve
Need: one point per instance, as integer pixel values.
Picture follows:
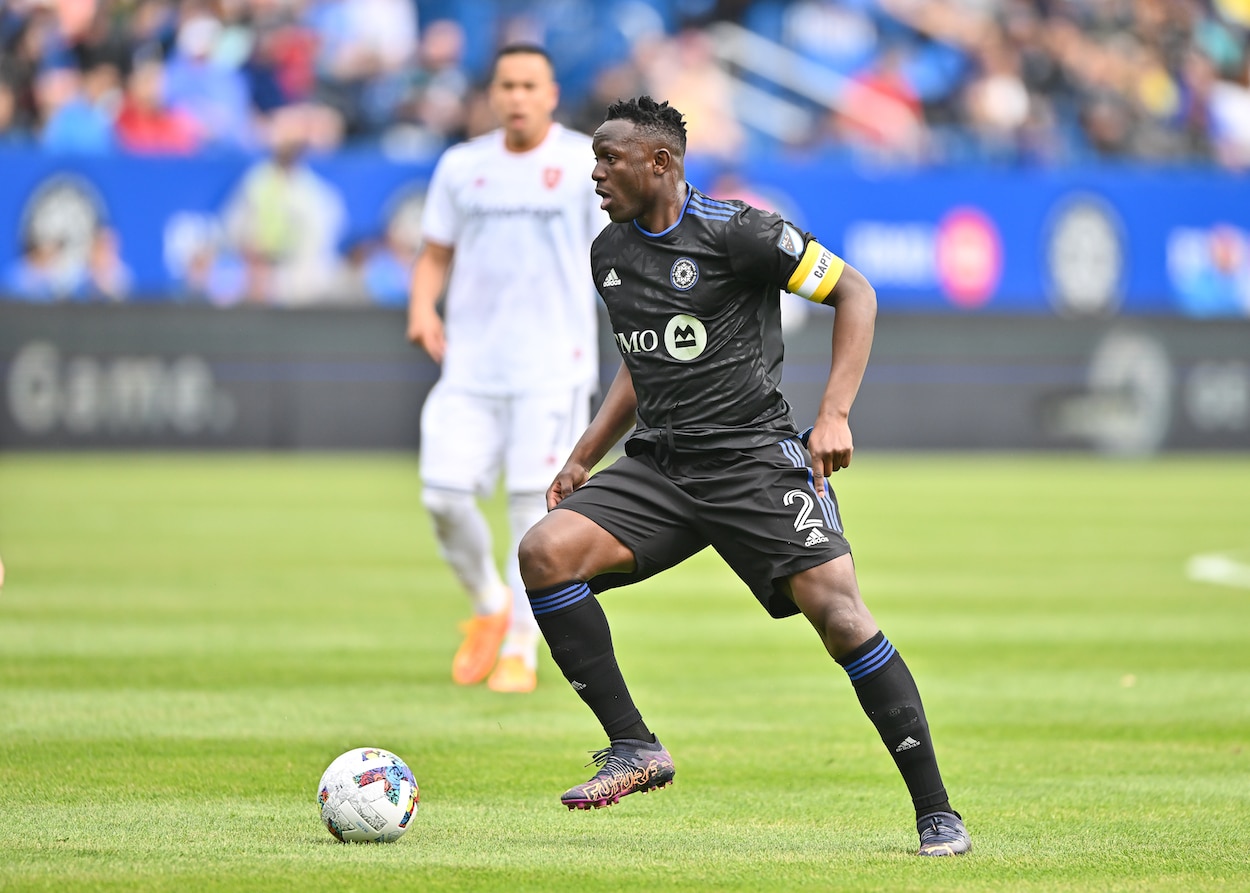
(763, 246)
(439, 221)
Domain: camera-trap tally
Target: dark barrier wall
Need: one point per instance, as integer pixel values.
(170, 376)
(1082, 241)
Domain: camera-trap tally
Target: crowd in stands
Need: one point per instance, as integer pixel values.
(1039, 82)
(903, 83)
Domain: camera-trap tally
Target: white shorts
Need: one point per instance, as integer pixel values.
(467, 440)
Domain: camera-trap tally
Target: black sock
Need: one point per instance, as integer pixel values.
(889, 696)
(576, 630)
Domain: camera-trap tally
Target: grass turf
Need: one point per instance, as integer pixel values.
(187, 641)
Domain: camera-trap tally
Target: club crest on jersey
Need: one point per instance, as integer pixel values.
(791, 241)
(684, 275)
(551, 177)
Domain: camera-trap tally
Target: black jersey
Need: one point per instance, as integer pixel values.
(696, 315)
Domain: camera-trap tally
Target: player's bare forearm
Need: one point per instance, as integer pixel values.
(429, 278)
(855, 300)
(616, 416)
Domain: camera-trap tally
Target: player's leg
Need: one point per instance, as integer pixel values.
(616, 529)
(790, 549)
(557, 555)
(517, 669)
(541, 430)
(460, 438)
(829, 597)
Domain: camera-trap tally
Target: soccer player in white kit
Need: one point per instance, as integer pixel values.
(507, 227)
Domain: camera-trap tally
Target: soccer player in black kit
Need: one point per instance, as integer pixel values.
(692, 287)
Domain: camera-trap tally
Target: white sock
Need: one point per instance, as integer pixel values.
(465, 543)
(524, 511)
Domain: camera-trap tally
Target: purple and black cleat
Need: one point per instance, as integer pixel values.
(626, 767)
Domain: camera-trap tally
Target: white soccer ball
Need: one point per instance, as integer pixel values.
(368, 794)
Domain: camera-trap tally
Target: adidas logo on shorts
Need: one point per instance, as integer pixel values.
(815, 538)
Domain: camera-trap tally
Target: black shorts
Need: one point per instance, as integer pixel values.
(756, 507)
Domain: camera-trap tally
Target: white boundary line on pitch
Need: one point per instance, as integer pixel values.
(1219, 567)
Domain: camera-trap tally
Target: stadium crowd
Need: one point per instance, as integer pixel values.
(269, 83)
(1038, 82)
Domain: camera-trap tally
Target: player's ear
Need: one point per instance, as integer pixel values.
(661, 161)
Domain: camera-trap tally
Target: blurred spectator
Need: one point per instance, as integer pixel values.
(387, 270)
(685, 72)
(1229, 111)
(146, 125)
(38, 274)
(108, 277)
(997, 102)
(34, 44)
(362, 43)
(880, 114)
(281, 66)
(210, 92)
(213, 273)
(45, 271)
(429, 111)
(285, 220)
(76, 109)
(10, 133)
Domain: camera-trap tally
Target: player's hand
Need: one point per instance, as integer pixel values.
(830, 446)
(425, 329)
(571, 476)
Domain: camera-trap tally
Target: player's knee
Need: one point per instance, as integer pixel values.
(829, 598)
(539, 557)
(446, 505)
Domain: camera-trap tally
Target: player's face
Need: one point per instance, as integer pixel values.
(624, 171)
(523, 95)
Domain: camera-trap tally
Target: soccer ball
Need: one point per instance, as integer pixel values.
(368, 794)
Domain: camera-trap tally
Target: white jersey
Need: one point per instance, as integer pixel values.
(520, 312)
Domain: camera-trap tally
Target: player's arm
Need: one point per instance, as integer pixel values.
(429, 278)
(855, 301)
(616, 416)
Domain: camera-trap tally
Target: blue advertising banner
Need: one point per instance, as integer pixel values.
(1083, 242)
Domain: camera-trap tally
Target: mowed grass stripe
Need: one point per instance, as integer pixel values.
(186, 641)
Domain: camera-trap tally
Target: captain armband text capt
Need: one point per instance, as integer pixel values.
(817, 273)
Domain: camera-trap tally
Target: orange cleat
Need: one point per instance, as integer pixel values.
(512, 675)
(477, 653)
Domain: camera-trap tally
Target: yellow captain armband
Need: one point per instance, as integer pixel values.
(818, 272)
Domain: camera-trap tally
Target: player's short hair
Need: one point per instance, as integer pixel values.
(521, 49)
(658, 118)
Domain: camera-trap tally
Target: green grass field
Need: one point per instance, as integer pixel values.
(187, 641)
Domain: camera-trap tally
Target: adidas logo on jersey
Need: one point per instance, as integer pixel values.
(577, 686)
(815, 538)
(611, 279)
(907, 744)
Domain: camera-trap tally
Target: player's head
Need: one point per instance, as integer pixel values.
(640, 153)
(657, 120)
(523, 94)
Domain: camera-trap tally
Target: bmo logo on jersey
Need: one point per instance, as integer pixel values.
(684, 339)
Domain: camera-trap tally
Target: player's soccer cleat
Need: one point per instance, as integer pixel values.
(943, 834)
(477, 653)
(625, 767)
(512, 674)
